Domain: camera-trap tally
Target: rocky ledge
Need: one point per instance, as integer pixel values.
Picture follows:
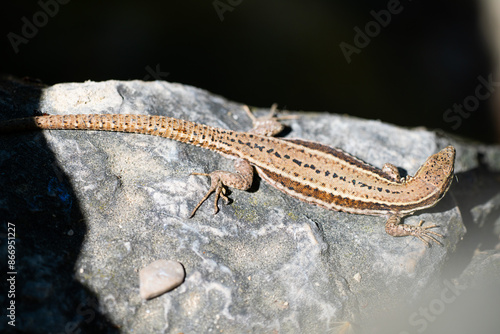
(91, 209)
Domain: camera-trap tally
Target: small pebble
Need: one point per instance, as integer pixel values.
(357, 277)
(159, 277)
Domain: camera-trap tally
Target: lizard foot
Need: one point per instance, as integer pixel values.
(220, 180)
(216, 186)
(396, 229)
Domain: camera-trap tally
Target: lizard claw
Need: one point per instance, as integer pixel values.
(216, 186)
(423, 233)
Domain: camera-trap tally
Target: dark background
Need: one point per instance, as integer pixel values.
(426, 59)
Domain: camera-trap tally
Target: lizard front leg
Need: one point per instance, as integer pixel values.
(220, 180)
(268, 125)
(395, 228)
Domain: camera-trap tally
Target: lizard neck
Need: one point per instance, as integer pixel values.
(434, 177)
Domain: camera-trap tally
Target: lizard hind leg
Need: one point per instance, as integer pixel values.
(220, 180)
(396, 229)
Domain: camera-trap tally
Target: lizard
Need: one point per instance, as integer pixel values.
(306, 170)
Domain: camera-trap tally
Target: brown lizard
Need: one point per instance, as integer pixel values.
(307, 170)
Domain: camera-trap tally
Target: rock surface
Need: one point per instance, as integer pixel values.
(92, 208)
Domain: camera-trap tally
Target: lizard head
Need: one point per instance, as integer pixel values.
(438, 169)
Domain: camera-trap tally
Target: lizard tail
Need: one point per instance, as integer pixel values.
(168, 127)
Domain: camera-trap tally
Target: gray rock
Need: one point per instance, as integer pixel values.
(91, 208)
(159, 277)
